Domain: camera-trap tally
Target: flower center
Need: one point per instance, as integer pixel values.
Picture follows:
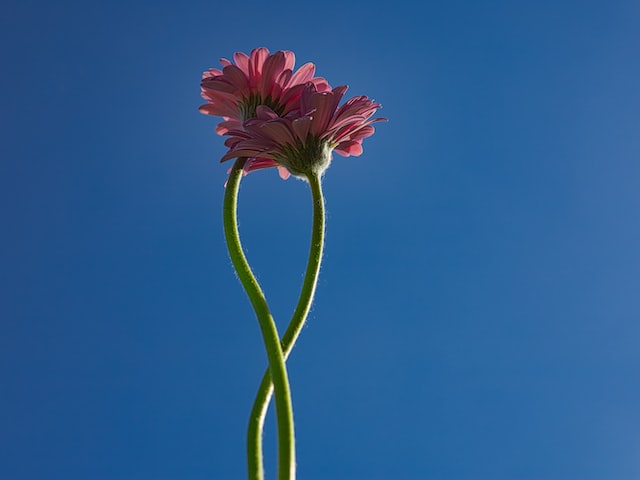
(249, 104)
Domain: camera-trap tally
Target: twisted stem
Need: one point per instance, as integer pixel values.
(263, 396)
(277, 369)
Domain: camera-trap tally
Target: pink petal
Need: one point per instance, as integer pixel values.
(289, 59)
(218, 84)
(259, 163)
(273, 67)
(212, 72)
(301, 127)
(256, 61)
(284, 173)
(321, 84)
(242, 61)
(223, 128)
(278, 132)
(236, 77)
(284, 78)
(238, 153)
(347, 149)
(207, 109)
(304, 74)
(324, 105)
(265, 113)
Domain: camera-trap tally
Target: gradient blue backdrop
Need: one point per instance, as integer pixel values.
(478, 310)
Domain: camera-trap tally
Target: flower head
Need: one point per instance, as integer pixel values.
(259, 78)
(303, 140)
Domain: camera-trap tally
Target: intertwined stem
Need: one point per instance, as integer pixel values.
(261, 403)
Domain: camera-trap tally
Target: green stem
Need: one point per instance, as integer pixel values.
(275, 356)
(261, 403)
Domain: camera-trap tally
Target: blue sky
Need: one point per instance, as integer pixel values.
(478, 312)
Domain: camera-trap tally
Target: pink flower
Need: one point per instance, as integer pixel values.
(303, 140)
(260, 78)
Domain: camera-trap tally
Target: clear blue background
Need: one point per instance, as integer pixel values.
(478, 309)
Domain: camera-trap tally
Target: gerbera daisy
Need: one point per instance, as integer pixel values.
(259, 78)
(302, 141)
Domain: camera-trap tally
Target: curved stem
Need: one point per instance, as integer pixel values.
(261, 403)
(275, 356)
